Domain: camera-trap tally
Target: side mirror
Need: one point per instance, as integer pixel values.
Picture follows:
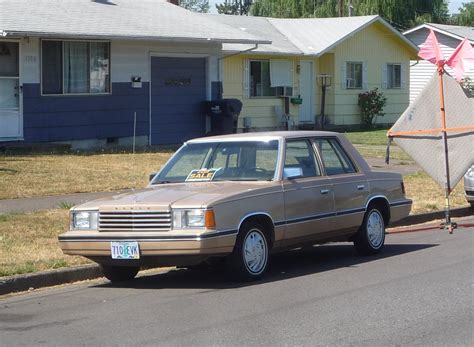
(292, 172)
(152, 176)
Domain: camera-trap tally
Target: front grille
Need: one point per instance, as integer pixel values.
(470, 192)
(135, 221)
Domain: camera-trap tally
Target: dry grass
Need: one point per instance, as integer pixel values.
(428, 196)
(52, 174)
(28, 242)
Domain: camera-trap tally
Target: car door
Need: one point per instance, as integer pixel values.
(349, 185)
(309, 200)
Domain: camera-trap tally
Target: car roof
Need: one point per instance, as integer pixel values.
(264, 136)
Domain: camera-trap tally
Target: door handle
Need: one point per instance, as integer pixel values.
(360, 186)
(324, 191)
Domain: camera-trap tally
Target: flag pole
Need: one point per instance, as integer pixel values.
(448, 224)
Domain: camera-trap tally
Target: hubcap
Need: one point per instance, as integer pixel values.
(255, 252)
(375, 229)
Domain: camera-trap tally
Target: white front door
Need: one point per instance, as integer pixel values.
(10, 110)
(307, 93)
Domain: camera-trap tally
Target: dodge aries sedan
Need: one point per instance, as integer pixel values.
(239, 198)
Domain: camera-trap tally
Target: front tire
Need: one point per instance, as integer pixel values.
(249, 260)
(370, 238)
(119, 273)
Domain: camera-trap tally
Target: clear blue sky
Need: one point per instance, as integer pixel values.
(453, 5)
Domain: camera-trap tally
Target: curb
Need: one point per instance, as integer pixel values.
(19, 283)
(430, 216)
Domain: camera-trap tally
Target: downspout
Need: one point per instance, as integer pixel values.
(219, 61)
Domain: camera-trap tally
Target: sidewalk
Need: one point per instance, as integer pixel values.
(48, 202)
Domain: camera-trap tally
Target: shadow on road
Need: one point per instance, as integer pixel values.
(283, 266)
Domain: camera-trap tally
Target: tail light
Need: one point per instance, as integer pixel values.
(403, 187)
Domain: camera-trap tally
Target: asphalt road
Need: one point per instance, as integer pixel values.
(418, 292)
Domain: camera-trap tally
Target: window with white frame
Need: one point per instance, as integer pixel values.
(260, 78)
(354, 75)
(75, 67)
(394, 76)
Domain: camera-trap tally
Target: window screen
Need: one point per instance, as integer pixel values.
(75, 67)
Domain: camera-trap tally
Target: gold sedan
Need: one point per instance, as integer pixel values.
(239, 198)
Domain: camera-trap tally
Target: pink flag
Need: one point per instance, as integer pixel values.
(431, 51)
(462, 59)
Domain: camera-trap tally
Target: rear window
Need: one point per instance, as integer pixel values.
(335, 159)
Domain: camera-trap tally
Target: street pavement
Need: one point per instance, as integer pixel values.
(419, 291)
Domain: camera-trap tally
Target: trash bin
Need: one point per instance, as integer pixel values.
(224, 115)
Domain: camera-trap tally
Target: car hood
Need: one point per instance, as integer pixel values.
(181, 195)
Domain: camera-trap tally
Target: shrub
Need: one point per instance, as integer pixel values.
(371, 105)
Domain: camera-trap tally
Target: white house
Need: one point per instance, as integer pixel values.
(449, 37)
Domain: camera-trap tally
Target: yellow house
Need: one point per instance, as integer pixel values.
(283, 81)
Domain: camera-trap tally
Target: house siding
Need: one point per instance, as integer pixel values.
(374, 46)
(67, 118)
(263, 111)
(422, 70)
(73, 118)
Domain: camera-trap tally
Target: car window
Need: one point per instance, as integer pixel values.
(299, 154)
(335, 159)
(234, 161)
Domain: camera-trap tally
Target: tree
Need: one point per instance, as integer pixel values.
(195, 5)
(400, 13)
(465, 16)
(235, 7)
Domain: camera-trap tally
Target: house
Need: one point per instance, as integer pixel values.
(79, 71)
(357, 53)
(449, 37)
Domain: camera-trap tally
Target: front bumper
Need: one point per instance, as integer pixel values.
(186, 243)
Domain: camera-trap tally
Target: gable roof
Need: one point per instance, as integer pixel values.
(259, 26)
(454, 31)
(304, 36)
(124, 19)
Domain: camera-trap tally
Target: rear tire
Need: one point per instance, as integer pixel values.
(119, 273)
(370, 238)
(249, 260)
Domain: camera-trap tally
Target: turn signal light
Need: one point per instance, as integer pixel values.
(209, 219)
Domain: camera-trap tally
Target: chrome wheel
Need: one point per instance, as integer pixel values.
(255, 251)
(375, 229)
(370, 237)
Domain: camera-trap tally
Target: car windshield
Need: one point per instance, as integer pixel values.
(221, 161)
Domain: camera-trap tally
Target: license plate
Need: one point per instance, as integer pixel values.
(125, 250)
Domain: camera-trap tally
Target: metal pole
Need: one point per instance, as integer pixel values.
(323, 106)
(134, 131)
(447, 224)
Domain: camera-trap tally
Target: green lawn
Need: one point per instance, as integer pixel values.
(368, 137)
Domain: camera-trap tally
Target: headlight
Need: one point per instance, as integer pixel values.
(84, 220)
(193, 218)
(470, 173)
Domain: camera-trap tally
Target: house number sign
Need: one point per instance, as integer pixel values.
(178, 82)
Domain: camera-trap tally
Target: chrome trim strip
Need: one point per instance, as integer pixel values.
(401, 203)
(255, 214)
(105, 238)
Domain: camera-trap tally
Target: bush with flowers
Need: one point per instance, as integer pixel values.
(371, 105)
